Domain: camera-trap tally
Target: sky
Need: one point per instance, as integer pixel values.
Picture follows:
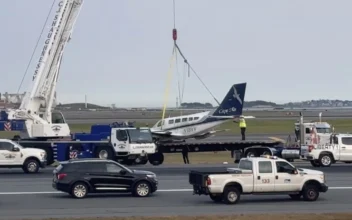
(120, 49)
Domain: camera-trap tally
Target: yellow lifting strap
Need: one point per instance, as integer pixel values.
(169, 77)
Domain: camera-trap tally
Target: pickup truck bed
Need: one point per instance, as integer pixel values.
(199, 179)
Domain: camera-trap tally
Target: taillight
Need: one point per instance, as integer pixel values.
(208, 181)
(310, 148)
(61, 176)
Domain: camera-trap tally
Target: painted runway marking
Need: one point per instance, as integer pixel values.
(160, 190)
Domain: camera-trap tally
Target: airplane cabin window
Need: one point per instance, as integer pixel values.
(196, 118)
(171, 121)
(190, 119)
(184, 119)
(177, 120)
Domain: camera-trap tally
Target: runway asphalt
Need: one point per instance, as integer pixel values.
(31, 196)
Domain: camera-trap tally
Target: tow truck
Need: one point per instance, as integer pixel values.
(324, 153)
(260, 176)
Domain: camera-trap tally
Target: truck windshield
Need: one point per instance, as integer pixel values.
(140, 136)
(323, 130)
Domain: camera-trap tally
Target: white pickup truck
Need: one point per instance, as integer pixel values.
(13, 155)
(339, 148)
(259, 175)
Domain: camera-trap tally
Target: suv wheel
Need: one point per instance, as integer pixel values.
(231, 195)
(310, 193)
(142, 189)
(31, 166)
(79, 190)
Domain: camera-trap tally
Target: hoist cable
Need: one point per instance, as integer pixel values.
(178, 78)
(169, 77)
(195, 73)
(35, 48)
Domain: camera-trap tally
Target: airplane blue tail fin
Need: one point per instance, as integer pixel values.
(232, 104)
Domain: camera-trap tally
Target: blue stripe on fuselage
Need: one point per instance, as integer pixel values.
(207, 120)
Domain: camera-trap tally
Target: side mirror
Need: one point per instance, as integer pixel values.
(294, 171)
(16, 149)
(123, 172)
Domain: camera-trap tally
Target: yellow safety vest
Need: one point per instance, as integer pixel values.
(242, 123)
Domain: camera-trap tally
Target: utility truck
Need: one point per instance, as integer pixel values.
(13, 155)
(320, 145)
(325, 153)
(260, 176)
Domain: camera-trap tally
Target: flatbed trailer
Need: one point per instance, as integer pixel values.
(61, 150)
(239, 148)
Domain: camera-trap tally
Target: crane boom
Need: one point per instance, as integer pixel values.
(36, 107)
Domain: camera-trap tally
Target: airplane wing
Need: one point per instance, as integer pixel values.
(209, 134)
(164, 134)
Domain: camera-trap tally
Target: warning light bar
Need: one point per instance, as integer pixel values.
(269, 157)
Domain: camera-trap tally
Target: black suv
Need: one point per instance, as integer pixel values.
(79, 177)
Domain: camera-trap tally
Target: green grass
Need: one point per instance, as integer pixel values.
(254, 126)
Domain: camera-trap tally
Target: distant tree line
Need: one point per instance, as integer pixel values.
(207, 105)
(194, 105)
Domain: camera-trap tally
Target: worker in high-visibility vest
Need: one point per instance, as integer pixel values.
(242, 125)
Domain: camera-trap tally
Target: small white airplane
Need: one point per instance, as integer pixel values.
(200, 125)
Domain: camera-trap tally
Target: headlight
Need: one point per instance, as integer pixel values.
(322, 177)
(43, 155)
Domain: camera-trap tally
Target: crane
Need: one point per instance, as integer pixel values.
(36, 108)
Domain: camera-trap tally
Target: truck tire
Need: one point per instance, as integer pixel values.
(30, 166)
(325, 160)
(216, 198)
(104, 152)
(266, 153)
(156, 158)
(251, 153)
(231, 195)
(310, 193)
(315, 163)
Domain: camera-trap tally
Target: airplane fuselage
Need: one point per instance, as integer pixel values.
(187, 126)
